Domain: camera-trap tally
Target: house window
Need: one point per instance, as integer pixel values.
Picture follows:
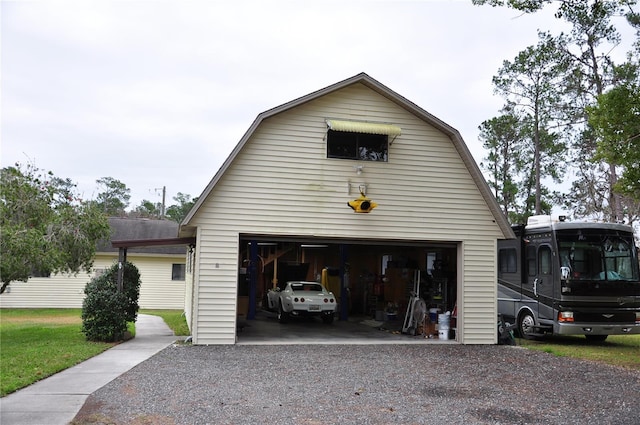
(358, 146)
(39, 273)
(177, 271)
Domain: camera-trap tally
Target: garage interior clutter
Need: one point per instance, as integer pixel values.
(406, 289)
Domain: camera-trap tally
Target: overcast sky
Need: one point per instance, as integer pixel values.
(157, 93)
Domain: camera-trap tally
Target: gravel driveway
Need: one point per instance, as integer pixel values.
(365, 384)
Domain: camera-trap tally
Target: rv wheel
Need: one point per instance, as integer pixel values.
(526, 323)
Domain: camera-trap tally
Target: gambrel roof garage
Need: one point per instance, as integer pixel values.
(278, 209)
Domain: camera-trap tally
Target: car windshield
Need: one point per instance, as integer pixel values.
(597, 256)
(313, 287)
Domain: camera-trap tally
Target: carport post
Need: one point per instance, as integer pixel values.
(253, 280)
(344, 294)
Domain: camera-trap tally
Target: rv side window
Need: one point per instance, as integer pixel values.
(531, 260)
(544, 260)
(507, 260)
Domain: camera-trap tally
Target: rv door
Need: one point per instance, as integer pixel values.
(539, 286)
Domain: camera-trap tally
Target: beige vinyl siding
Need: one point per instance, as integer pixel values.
(157, 290)
(281, 183)
(57, 291)
(479, 293)
(215, 296)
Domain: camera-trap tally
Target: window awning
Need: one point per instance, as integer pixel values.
(364, 127)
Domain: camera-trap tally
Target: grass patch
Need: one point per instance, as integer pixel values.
(617, 350)
(173, 318)
(36, 343)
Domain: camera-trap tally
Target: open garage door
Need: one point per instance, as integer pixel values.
(372, 282)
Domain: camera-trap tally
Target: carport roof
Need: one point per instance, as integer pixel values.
(144, 236)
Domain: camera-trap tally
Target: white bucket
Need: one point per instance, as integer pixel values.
(443, 325)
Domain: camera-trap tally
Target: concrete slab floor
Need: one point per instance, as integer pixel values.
(265, 329)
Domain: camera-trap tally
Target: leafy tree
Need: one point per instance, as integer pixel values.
(590, 42)
(148, 209)
(44, 227)
(184, 204)
(503, 138)
(531, 86)
(616, 120)
(588, 194)
(622, 7)
(114, 196)
(588, 47)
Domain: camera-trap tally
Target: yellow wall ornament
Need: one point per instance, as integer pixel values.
(362, 204)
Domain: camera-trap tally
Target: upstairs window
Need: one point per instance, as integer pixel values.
(359, 146)
(359, 140)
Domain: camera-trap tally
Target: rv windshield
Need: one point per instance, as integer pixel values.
(597, 255)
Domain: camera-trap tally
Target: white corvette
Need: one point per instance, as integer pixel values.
(300, 298)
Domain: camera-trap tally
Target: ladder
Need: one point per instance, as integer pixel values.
(416, 309)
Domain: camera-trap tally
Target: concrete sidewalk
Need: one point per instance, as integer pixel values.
(57, 399)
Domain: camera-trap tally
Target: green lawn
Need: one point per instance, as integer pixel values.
(36, 343)
(174, 318)
(617, 350)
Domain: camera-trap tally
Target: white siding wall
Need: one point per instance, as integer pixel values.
(157, 290)
(479, 306)
(281, 183)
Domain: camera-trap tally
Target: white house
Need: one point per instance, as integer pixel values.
(278, 209)
(162, 271)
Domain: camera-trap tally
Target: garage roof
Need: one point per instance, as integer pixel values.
(383, 90)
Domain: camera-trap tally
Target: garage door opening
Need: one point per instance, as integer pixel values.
(373, 281)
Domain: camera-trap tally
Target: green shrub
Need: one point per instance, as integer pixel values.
(105, 310)
(131, 287)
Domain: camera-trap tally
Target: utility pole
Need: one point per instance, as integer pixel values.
(164, 195)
